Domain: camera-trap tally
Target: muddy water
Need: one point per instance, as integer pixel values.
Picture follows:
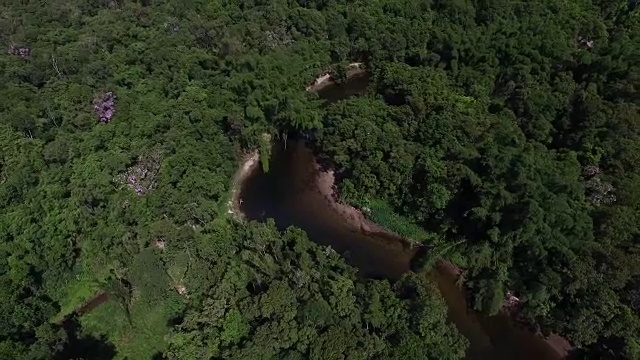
(290, 195)
(357, 84)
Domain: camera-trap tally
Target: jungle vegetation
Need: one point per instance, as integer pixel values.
(508, 128)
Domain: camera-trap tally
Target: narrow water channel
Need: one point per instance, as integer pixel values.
(290, 195)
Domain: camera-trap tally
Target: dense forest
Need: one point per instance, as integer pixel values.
(507, 130)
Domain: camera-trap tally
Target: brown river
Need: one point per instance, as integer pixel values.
(291, 194)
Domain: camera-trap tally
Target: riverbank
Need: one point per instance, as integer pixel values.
(327, 79)
(299, 192)
(325, 183)
(444, 274)
(248, 164)
(325, 179)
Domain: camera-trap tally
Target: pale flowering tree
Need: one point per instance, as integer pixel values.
(511, 302)
(105, 106)
(21, 51)
(599, 192)
(591, 171)
(278, 37)
(585, 42)
(141, 176)
(172, 24)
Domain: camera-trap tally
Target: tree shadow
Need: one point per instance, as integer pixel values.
(84, 346)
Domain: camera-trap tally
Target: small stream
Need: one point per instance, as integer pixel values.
(289, 194)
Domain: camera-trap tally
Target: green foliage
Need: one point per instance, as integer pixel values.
(265, 152)
(480, 123)
(380, 212)
(83, 286)
(290, 295)
(486, 134)
(139, 331)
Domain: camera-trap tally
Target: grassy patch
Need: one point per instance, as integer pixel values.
(143, 336)
(76, 291)
(380, 212)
